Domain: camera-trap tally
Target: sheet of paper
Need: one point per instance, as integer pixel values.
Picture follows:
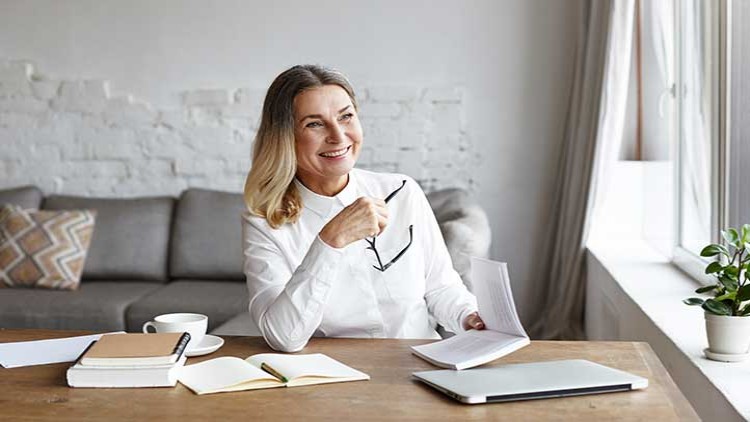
(42, 352)
(491, 285)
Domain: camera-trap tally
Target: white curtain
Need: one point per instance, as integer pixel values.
(696, 124)
(662, 33)
(593, 135)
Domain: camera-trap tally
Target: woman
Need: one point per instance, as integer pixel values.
(331, 250)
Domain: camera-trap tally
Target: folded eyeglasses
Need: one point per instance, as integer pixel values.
(380, 267)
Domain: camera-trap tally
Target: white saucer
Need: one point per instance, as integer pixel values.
(723, 357)
(207, 345)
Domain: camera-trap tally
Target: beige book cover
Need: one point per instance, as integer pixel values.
(132, 349)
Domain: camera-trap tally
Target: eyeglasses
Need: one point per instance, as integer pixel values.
(380, 267)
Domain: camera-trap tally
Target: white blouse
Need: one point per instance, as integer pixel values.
(301, 287)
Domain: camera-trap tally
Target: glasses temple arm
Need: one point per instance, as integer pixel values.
(389, 197)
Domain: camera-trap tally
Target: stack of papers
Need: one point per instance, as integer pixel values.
(503, 333)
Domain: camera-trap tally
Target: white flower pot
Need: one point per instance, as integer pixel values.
(728, 335)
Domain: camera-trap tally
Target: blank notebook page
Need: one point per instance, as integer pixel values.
(295, 366)
(221, 373)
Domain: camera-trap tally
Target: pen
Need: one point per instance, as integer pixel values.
(273, 372)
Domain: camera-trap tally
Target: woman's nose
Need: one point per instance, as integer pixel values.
(336, 134)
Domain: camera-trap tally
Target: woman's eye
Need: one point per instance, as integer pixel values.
(347, 116)
(314, 124)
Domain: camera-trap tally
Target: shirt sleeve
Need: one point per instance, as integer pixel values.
(287, 303)
(448, 299)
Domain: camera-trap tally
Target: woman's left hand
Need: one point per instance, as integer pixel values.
(473, 321)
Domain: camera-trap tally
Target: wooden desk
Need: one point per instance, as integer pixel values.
(41, 393)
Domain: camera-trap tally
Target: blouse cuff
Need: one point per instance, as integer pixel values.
(462, 317)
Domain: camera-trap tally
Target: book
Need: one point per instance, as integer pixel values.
(139, 349)
(503, 333)
(266, 370)
(80, 375)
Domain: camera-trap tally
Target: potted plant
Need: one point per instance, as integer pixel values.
(727, 316)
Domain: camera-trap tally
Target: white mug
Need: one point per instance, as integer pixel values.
(195, 324)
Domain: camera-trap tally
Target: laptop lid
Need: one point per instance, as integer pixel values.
(528, 381)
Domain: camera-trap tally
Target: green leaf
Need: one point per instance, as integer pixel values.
(745, 233)
(712, 250)
(714, 267)
(743, 293)
(745, 310)
(729, 303)
(729, 283)
(693, 301)
(732, 271)
(716, 308)
(732, 237)
(705, 289)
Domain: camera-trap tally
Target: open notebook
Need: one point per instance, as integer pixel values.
(266, 370)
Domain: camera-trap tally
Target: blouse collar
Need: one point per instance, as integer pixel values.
(321, 204)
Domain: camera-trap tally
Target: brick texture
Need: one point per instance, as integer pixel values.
(75, 137)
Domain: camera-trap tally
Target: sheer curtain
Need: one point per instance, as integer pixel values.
(696, 125)
(593, 135)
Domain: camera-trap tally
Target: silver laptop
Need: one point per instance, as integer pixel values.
(528, 381)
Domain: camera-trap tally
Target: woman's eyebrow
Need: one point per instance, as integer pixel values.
(318, 116)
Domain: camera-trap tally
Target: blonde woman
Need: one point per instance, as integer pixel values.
(331, 250)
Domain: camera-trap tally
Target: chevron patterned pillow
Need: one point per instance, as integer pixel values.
(45, 249)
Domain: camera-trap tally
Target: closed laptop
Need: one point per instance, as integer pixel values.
(528, 381)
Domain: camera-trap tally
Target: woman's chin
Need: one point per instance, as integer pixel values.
(339, 168)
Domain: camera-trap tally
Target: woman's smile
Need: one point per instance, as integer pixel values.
(336, 154)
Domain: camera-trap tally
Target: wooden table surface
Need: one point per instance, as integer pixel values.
(41, 392)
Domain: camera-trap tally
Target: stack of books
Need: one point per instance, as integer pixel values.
(130, 360)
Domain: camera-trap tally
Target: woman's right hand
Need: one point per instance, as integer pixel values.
(365, 217)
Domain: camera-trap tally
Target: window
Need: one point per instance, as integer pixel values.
(671, 168)
(700, 44)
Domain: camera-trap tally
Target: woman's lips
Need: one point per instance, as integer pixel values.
(335, 154)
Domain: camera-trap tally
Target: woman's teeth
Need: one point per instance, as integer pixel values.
(334, 154)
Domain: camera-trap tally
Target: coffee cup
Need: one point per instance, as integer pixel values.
(195, 324)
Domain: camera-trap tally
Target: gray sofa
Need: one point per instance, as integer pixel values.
(157, 255)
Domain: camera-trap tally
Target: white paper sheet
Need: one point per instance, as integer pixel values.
(492, 290)
(42, 352)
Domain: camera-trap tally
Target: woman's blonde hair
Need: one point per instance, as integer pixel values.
(270, 191)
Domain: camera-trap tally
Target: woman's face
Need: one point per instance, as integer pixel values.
(328, 137)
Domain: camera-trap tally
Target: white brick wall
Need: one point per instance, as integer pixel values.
(75, 137)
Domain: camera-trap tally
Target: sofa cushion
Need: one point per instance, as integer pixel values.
(240, 325)
(96, 306)
(26, 197)
(45, 249)
(219, 300)
(131, 240)
(207, 236)
(465, 228)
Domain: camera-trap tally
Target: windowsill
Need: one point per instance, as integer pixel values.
(643, 292)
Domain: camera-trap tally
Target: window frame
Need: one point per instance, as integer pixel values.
(738, 193)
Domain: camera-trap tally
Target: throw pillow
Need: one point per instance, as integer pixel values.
(45, 249)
